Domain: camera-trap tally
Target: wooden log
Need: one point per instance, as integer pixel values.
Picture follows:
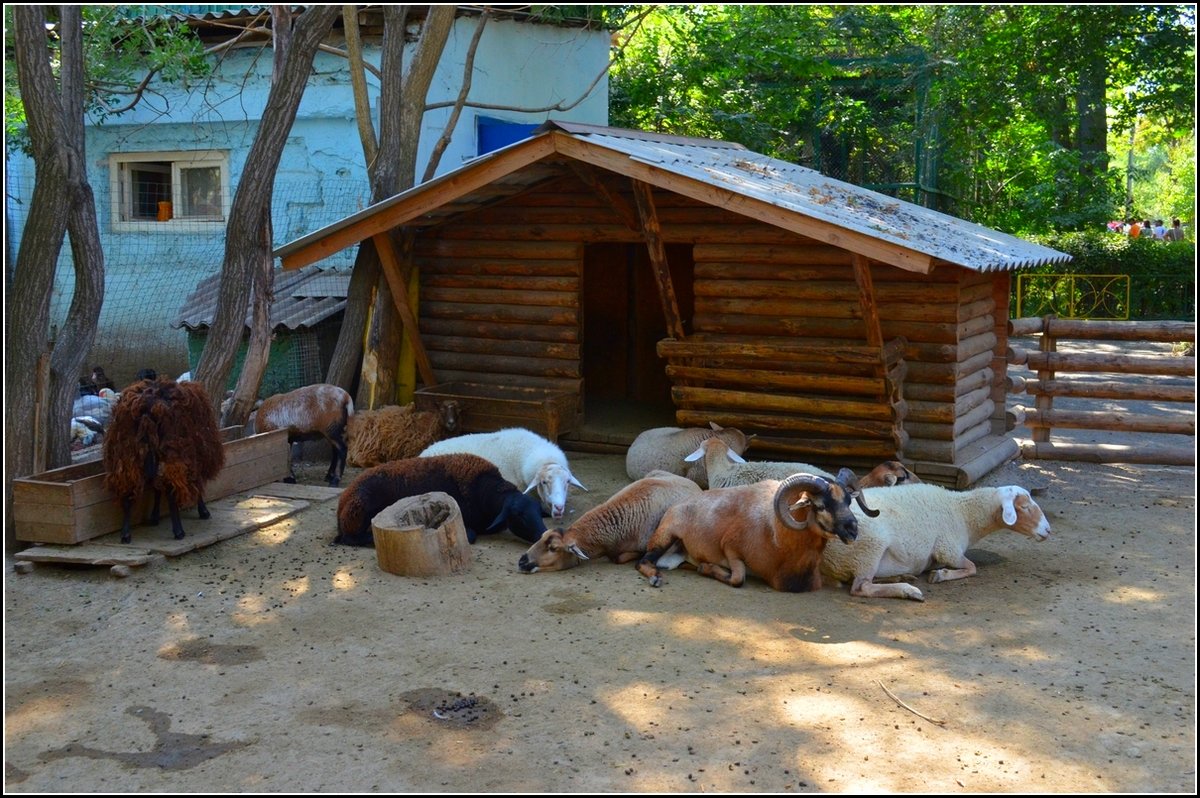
(796, 381)
(1160, 331)
(947, 413)
(715, 398)
(1109, 420)
(494, 377)
(700, 346)
(491, 330)
(983, 456)
(517, 248)
(521, 314)
(422, 536)
(835, 449)
(821, 425)
(490, 296)
(1150, 454)
(935, 373)
(739, 256)
(1111, 390)
(1030, 325)
(953, 430)
(970, 435)
(498, 265)
(502, 347)
(503, 282)
(1121, 364)
(509, 364)
(949, 392)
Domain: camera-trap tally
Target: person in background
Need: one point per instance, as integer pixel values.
(1176, 231)
(1135, 228)
(1160, 232)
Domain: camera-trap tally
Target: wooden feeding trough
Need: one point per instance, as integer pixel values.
(422, 536)
(70, 504)
(486, 408)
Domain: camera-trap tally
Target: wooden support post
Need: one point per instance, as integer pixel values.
(652, 232)
(390, 262)
(866, 299)
(1045, 403)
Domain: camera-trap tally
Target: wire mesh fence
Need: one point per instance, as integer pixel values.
(153, 315)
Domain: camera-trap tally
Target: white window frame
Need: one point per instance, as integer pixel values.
(121, 190)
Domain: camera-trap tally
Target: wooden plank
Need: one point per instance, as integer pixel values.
(1157, 454)
(686, 397)
(866, 300)
(1121, 364)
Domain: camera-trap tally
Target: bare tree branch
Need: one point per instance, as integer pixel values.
(435, 157)
(358, 83)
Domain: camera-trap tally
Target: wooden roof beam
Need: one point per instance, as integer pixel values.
(593, 181)
(389, 261)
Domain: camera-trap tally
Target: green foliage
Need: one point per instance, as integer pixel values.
(1162, 273)
(120, 53)
(993, 113)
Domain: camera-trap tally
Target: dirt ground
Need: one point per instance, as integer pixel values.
(274, 662)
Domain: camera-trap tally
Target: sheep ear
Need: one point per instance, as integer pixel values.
(532, 485)
(735, 457)
(578, 552)
(694, 456)
(715, 425)
(801, 503)
(1008, 507)
(575, 482)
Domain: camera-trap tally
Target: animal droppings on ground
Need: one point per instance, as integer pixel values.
(453, 709)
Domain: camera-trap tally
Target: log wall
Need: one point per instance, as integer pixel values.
(500, 304)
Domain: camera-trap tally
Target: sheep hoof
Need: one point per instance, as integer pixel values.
(656, 581)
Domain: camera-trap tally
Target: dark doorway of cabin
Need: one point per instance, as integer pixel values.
(625, 386)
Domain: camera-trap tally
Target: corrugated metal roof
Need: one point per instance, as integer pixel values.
(806, 191)
(303, 298)
(909, 234)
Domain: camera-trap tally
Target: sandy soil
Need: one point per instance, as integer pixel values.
(275, 662)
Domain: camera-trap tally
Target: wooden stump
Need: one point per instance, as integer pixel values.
(422, 536)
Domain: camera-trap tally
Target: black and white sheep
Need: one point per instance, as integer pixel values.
(487, 501)
(726, 468)
(925, 526)
(524, 458)
(617, 529)
(308, 414)
(729, 532)
(663, 448)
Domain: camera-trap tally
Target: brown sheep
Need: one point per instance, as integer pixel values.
(164, 436)
(397, 432)
(308, 414)
(729, 532)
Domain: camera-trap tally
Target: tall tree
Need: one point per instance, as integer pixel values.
(62, 203)
(247, 249)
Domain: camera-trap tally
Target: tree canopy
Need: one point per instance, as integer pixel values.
(1002, 114)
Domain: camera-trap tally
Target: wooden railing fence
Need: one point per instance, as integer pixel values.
(1054, 370)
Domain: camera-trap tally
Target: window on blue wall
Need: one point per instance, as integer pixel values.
(163, 190)
(496, 133)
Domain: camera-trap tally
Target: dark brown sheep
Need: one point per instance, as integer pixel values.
(488, 502)
(163, 436)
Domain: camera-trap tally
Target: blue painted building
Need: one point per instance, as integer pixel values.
(164, 174)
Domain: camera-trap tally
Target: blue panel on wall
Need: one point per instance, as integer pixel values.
(496, 133)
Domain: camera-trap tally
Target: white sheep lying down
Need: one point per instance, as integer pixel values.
(921, 526)
(524, 458)
(663, 449)
(726, 468)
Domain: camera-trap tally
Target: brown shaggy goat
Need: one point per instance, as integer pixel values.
(164, 436)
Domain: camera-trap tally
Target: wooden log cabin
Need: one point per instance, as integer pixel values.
(656, 280)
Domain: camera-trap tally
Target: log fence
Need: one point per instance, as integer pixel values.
(1054, 370)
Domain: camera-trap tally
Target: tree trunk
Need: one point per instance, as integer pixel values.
(62, 200)
(244, 246)
(402, 108)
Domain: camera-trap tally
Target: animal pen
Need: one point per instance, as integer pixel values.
(643, 276)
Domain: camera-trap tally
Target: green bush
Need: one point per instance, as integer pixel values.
(1162, 274)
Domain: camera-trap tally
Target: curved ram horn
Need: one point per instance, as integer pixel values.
(850, 483)
(796, 483)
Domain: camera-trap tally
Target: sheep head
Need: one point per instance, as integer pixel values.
(827, 503)
(552, 482)
(550, 553)
(888, 474)
(1021, 513)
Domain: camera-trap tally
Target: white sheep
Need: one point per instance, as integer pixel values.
(663, 448)
(524, 459)
(922, 526)
(617, 529)
(726, 468)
